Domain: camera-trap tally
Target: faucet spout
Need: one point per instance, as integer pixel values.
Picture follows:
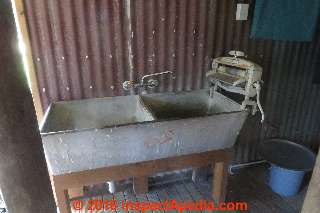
(156, 74)
(151, 83)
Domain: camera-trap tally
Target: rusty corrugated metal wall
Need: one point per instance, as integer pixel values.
(293, 100)
(87, 48)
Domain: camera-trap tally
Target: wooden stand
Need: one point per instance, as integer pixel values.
(140, 184)
(219, 159)
(220, 179)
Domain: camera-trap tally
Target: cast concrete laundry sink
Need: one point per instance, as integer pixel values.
(95, 133)
(94, 113)
(187, 104)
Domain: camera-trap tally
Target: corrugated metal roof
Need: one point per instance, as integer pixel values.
(85, 49)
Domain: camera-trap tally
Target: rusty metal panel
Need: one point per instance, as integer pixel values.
(170, 35)
(293, 99)
(80, 48)
(84, 49)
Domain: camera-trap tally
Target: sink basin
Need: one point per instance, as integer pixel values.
(187, 104)
(96, 133)
(95, 113)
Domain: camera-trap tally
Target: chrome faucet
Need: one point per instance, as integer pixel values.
(151, 83)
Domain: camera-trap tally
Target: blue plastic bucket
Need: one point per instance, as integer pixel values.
(289, 162)
(285, 182)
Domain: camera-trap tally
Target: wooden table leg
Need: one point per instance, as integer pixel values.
(220, 179)
(200, 174)
(75, 192)
(60, 196)
(140, 184)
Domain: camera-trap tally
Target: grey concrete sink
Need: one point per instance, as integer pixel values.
(187, 104)
(95, 133)
(95, 113)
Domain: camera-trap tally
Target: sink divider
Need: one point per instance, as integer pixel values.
(147, 108)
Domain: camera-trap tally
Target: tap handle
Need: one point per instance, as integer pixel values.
(152, 83)
(127, 85)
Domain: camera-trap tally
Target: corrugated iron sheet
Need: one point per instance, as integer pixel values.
(85, 49)
(293, 99)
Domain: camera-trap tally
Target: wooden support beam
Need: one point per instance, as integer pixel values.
(140, 184)
(146, 168)
(311, 202)
(24, 178)
(140, 171)
(21, 22)
(200, 174)
(220, 179)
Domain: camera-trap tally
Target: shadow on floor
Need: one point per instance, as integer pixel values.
(246, 185)
(250, 185)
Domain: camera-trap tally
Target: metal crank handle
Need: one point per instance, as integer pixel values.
(258, 89)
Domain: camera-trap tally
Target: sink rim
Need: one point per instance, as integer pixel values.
(137, 107)
(142, 103)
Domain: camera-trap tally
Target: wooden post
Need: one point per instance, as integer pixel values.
(61, 197)
(311, 202)
(200, 174)
(24, 34)
(220, 179)
(24, 178)
(140, 184)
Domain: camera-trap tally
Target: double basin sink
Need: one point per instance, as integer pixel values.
(95, 133)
